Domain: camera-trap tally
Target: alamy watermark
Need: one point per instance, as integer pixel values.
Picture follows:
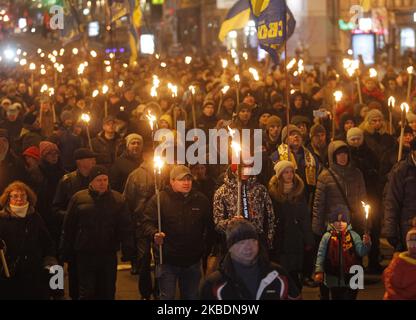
(57, 17)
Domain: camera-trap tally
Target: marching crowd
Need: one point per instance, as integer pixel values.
(75, 193)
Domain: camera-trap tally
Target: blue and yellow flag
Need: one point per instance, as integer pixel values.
(135, 24)
(237, 18)
(275, 24)
(72, 31)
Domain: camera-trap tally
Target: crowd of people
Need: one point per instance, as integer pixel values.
(76, 192)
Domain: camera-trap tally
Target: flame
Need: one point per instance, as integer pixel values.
(153, 91)
(392, 102)
(225, 89)
(224, 63)
(245, 55)
(338, 96)
(95, 93)
(366, 209)
(373, 73)
(291, 64)
(188, 60)
(254, 73)
(32, 66)
(231, 132)
(192, 88)
(151, 118)
(156, 81)
(158, 162)
(85, 117)
(105, 89)
(237, 78)
(236, 147)
(405, 107)
(410, 70)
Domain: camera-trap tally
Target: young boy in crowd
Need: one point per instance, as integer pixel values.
(339, 250)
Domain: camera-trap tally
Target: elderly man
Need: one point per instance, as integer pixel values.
(97, 222)
(186, 227)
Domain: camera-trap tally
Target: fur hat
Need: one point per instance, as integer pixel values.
(281, 166)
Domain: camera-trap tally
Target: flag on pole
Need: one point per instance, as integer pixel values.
(275, 24)
(237, 18)
(135, 14)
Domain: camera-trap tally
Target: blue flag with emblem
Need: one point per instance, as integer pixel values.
(275, 24)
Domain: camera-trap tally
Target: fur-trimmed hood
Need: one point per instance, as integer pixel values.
(276, 190)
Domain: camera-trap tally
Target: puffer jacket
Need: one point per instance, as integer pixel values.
(260, 206)
(293, 224)
(97, 224)
(400, 200)
(328, 196)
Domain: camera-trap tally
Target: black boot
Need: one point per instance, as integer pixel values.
(134, 268)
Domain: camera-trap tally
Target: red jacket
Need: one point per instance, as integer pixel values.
(400, 278)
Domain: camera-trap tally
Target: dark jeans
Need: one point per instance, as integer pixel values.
(73, 280)
(97, 275)
(145, 276)
(188, 279)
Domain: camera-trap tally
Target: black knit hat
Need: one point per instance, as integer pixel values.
(98, 171)
(238, 230)
(339, 213)
(84, 153)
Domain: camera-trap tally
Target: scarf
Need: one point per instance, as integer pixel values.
(20, 211)
(310, 162)
(287, 187)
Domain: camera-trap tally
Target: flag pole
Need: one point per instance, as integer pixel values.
(287, 74)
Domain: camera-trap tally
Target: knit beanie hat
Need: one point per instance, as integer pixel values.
(168, 119)
(66, 115)
(297, 120)
(238, 230)
(292, 128)
(273, 121)
(340, 211)
(208, 102)
(354, 133)
(317, 129)
(374, 113)
(281, 166)
(46, 147)
(243, 106)
(133, 136)
(98, 171)
(32, 152)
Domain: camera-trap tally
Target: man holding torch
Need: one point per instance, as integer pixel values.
(186, 223)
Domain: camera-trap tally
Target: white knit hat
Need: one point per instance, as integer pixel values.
(281, 166)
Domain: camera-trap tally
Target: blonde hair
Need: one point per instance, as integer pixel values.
(18, 185)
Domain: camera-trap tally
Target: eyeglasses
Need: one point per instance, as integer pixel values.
(16, 196)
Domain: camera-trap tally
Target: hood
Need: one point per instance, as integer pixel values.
(230, 180)
(334, 146)
(276, 189)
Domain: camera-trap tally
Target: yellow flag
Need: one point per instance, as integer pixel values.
(366, 4)
(259, 6)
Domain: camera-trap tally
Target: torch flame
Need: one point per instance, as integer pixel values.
(405, 107)
(410, 70)
(373, 73)
(237, 78)
(338, 96)
(366, 209)
(105, 89)
(85, 117)
(392, 102)
(158, 162)
(237, 148)
(188, 60)
(225, 89)
(291, 64)
(95, 93)
(192, 88)
(254, 73)
(224, 63)
(151, 118)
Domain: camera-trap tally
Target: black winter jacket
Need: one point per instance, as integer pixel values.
(97, 224)
(187, 223)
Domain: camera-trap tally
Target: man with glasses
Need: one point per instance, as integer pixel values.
(186, 225)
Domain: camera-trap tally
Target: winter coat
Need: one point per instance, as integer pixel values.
(205, 123)
(400, 200)
(96, 224)
(328, 196)
(121, 169)
(13, 128)
(293, 224)
(187, 223)
(260, 206)
(400, 278)
(70, 184)
(274, 283)
(68, 142)
(322, 258)
(365, 159)
(379, 142)
(106, 149)
(29, 250)
(388, 161)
